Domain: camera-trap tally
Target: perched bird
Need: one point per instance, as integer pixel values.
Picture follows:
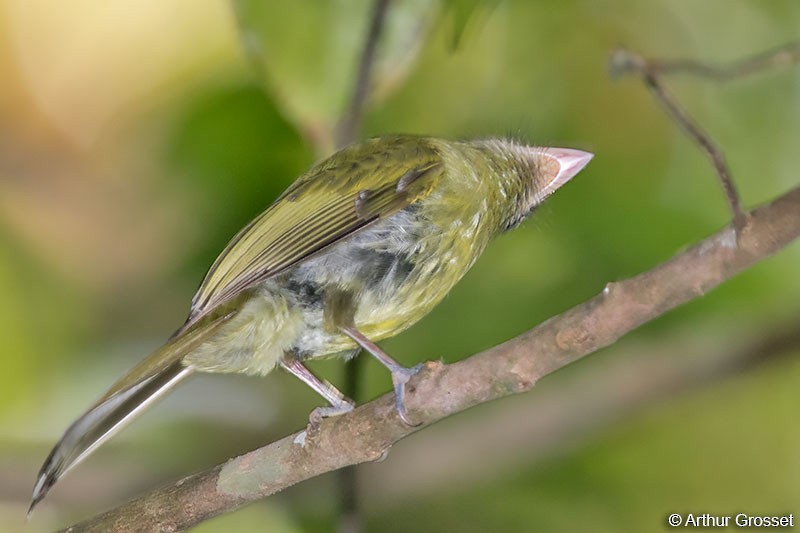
(357, 249)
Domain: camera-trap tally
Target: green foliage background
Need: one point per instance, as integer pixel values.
(136, 139)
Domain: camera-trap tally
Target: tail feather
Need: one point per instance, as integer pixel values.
(99, 424)
(127, 398)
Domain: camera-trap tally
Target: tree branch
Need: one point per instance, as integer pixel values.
(563, 413)
(441, 390)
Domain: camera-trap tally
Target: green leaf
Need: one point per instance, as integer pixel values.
(308, 54)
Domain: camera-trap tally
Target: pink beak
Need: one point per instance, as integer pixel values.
(570, 162)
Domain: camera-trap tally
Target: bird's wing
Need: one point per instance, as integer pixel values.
(332, 201)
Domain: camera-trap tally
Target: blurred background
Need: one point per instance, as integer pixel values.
(137, 137)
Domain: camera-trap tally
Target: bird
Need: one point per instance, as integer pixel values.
(357, 249)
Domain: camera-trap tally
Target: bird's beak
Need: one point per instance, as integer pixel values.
(560, 166)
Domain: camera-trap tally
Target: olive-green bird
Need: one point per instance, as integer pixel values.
(358, 249)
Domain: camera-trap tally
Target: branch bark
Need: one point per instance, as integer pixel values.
(441, 390)
(565, 414)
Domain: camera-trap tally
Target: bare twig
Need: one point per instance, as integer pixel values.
(441, 390)
(708, 146)
(351, 122)
(626, 62)
(623, 61)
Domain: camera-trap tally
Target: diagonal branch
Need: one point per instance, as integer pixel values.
(441, 390)
(534, 429)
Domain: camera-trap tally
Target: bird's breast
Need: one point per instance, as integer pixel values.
(393, 272)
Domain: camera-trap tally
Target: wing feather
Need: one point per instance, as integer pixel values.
(331, 202)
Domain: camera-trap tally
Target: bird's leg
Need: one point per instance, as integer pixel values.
(400, 374)
(339, 403)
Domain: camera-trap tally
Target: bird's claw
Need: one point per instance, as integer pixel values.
(400, 377)
(315, 418)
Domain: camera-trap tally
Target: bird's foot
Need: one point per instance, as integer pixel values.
(342, 407)
(400, 376)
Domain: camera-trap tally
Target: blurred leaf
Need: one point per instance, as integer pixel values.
(308, 54)
(239, 154)
(39, 321)
(466, 14)
(20, 364)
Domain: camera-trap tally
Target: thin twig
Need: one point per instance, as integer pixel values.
(702, 138)
(350, 125)
(623, 61)
(441, 390)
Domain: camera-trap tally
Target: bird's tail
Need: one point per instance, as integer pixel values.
(127, 398)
